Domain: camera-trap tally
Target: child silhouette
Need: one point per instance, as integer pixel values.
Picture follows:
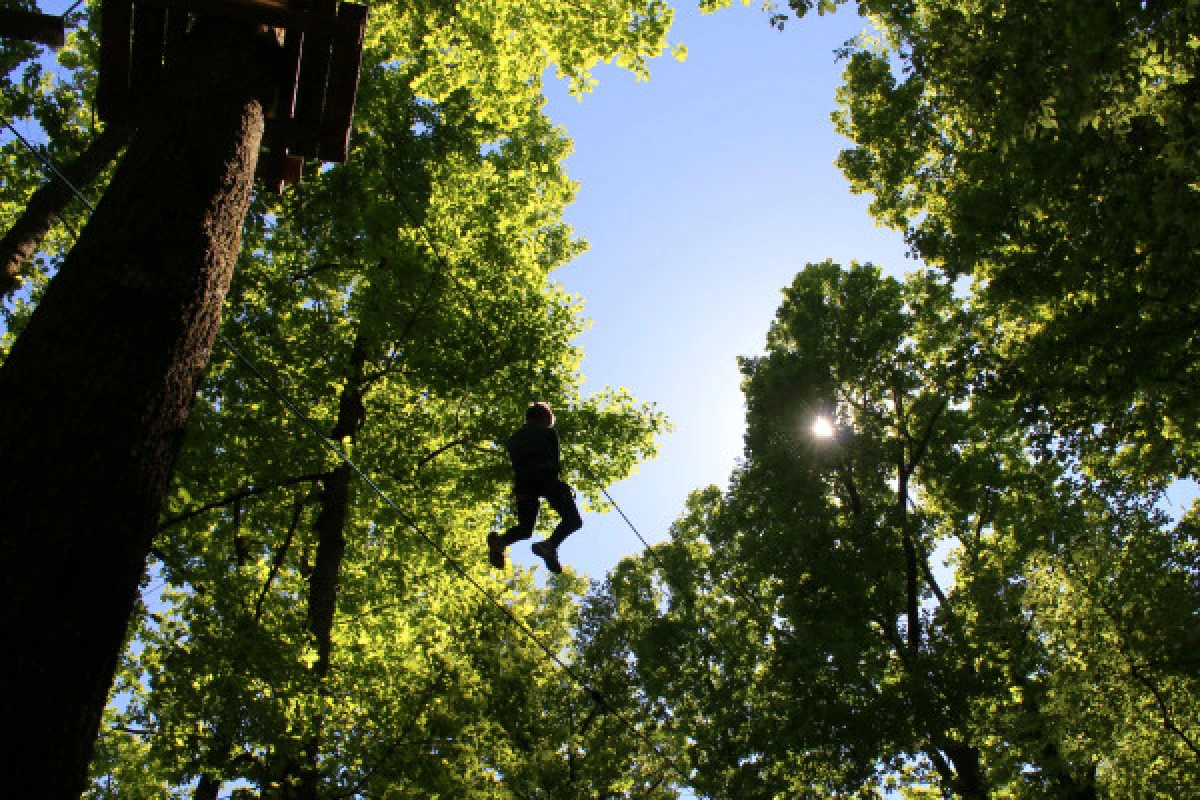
(536, 462)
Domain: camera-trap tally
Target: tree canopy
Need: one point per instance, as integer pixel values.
(828, 654)
(300, 634)
(1047, 151)
(961, 583)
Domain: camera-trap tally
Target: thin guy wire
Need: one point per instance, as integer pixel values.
(49, 162)
(739, 590)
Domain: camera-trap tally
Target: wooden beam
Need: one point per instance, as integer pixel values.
(265, 14)
(343, 84)
(30, 26)
(277, 168)
(314, 75)
(289, 76)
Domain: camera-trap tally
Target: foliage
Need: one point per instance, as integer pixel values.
(50, 105)
(1048, 150)
(827, 655)
(402, 300)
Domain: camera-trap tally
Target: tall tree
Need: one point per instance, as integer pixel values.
(84, 508)
(826, 653)
(1047, 150)
(97, 390)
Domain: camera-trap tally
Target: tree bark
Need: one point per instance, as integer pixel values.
(24, 238)
(96, 392)
(330, 527)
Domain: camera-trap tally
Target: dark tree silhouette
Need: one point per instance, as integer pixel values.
(96, 392)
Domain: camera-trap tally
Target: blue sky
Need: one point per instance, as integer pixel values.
(702, 192)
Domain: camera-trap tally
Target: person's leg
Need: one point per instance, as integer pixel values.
(562, 500)
(527, 515)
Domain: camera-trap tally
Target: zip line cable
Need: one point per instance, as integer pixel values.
(737, 588)
(596, 695)
(48, 162)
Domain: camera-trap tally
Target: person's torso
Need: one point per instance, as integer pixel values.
(534, 452)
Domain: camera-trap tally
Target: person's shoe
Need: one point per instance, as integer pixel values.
(495, 550)
(548, 553)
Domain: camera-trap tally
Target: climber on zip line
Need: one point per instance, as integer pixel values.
(536, 463)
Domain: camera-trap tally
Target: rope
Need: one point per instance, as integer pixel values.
(739, 590)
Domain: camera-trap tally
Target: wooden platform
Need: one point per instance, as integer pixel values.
(314, 104)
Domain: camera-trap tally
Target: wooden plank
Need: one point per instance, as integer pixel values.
(314, 75)
(267, 14)
(293, 169)
(149, 40)
(112, 89)
(293, 49)
(269, 172)
(343, 84)
(30, 26)
(275, 169)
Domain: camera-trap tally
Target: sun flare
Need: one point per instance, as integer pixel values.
(822, 428)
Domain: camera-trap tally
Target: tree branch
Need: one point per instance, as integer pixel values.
(303, 274)
(926, 435)
(426, 459)
(134, 731)
(241, 494)
(1159, 700)
(280, 555)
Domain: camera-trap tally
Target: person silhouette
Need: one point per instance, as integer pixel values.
(536, 462)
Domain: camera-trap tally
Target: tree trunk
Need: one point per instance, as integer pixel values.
(969, 782)
(24, 238)
(96, 392)
(209, 788)
(912, 586)
(330, 527)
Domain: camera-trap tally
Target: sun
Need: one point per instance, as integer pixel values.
(822, 428)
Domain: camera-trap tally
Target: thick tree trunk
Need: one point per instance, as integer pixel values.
(23, 239)
(96, 392)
